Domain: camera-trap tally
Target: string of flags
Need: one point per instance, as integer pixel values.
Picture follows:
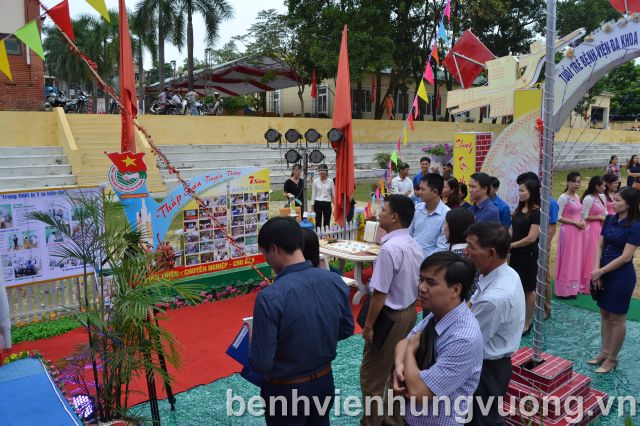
(429, 77)
(29, 34)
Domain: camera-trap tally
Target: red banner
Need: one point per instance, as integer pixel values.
(209, 268)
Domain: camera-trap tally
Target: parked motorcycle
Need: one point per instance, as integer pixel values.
(79, 104)
(55, 99)
(165, 108)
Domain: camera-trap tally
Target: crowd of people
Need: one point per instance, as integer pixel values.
(473, 269)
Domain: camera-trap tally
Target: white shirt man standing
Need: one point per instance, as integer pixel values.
(402, 184)
(427, 227)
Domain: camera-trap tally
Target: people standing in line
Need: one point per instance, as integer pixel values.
(442, 356)
(394, 287)
(613, 167)
(553, 221)
(427, 227)
(402, 184)
(294, 186)
(503, 208)
(525, 230)
(293, 343)
(612, 183)
(615, 278)
(633, 169)
(594, 212)
(498, 305)
(322, 193)
(457, 221)
(464, 192)
(479, 190)
(569, 252)
(451, 195)
(425, 165)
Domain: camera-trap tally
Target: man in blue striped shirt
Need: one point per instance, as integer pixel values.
(442, 356)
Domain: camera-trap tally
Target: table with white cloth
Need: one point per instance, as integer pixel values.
(357, 252)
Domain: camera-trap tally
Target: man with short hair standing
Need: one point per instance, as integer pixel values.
(499, 306)
(479, 190)
(425, 164)
(442, 356)
(297, 322)
(394, 290)
(402, 184)
(503, 208)
(427, 227)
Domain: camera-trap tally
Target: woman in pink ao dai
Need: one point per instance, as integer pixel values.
(594, 212)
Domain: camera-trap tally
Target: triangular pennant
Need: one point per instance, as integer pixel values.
(398, 147)
(378, 194)
(422, 92)
(30, 35)
(367, 210)
(442, 33)
(4, 61)
(404, 136)
(416, 109)
(394, 157)
(413, 128)
(447, 10)
(434, 53)
(428, 73)
(101, 8)
(60, 15)
(383, 191)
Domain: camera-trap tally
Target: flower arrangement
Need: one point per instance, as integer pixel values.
(438, 149)
(212, 295)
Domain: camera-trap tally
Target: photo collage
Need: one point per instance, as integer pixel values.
(240, 215)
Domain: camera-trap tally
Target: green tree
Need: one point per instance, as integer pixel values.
(213, 12)
(170, 26)
(228, 52)
(144, 38)
(624, 83)
(588, 14)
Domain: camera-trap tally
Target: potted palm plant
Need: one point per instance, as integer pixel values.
(123, 338)
(382, 159)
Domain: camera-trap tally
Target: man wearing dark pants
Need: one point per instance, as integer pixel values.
(394, 287)
(297, 322)
(498, 305)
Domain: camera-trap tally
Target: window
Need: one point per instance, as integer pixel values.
(275, 102)
(402, 101)
(366, 100)
(322, 100)
(12, 44)
(434, 103)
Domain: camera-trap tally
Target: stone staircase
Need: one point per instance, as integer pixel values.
(572, 155)
(34, 167)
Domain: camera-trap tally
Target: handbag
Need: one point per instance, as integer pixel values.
(382, 326)
(596, 292)
(426, 355)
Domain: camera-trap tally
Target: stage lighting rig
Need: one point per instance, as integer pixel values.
(293, 136)
(273, 136)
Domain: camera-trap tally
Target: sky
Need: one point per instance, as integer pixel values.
(245, 12)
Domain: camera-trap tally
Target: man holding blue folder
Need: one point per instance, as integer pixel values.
(297, 322)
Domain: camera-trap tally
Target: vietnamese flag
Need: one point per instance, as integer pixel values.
(342, 120)
(128, 96)
(314, 84)
(128, 162)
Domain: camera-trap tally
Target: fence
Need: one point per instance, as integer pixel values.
(31, 302)
(338, 232)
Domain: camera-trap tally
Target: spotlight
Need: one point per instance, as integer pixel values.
(292, 156)
(312, 136)
(335, 135)
(292, 136)
(85, 406)
(316, 156)
(273, 136)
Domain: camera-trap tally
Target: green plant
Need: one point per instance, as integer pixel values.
(383, 158)
(42, 330)
(122, 335)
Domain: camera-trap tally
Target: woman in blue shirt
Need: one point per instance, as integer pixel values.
(633, 169)
(613, 283)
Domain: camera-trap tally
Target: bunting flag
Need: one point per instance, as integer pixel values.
(404, 136)
(434, 53)
(4, 61)
(373, 88)
(100, 7)
(30, 35)
(60, 15)
(428, 73)
(422, 92)
(394, 157)
(383, 191)
(367, 210)
(442, 33)
(410, 120)
(378, 193)
(447, 10)
(398, 147)
(416, 108)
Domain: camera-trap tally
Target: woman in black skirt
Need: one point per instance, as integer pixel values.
(525, 228)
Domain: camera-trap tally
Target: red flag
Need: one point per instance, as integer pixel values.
(428, 73)
(413, 128)
(342, 120)
(465, 61)
(434, 53)
(314, 84)
(415, 108)
(128, 162)
(60, 15)
(127, 83)
(373, 88)
(447, 10)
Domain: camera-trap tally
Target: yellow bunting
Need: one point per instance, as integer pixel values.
(4, 61)
(404, 136)
(422, 92)
(101, 7)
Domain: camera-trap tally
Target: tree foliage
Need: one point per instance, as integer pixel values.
(624, 83)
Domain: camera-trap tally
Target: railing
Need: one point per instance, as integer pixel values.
(338, 232)
(34, 302)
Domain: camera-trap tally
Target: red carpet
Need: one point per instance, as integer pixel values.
(203, 332)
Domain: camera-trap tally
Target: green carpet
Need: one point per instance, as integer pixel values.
(572, 333)
(585, 301)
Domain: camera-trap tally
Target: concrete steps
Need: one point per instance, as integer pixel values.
(34, 167)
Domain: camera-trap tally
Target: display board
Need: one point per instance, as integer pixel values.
(28, 247)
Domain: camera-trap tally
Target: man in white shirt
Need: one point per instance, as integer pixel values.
(498, 305)
(427, 227)
(402, 184)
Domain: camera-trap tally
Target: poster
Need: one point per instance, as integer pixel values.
(28, 248)
(464, 156)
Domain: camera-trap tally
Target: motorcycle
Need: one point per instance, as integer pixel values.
(54, 100)
(215, 108)
(192, 107)
(168, 107)
(79, 104)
